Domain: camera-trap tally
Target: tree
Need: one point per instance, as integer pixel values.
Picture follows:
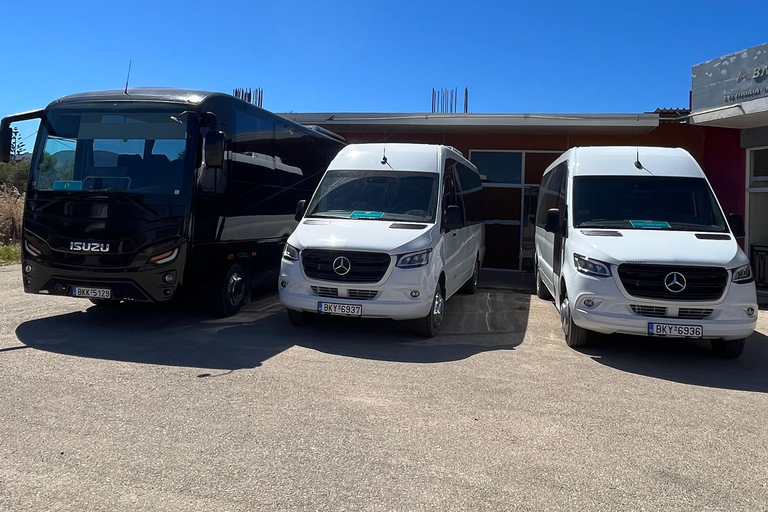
(15, 174)
(17, 144)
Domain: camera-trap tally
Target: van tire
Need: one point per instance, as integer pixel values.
(575, 336)
(541, 289)
(730, 349)
(298, 318)
(230, 294)
(470, 287)
(429, 325)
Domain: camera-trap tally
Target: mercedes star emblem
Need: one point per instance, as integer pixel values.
(342, 266)
(675, 282)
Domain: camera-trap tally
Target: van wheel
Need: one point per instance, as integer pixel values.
(575, 336)
(541, 288)
(730, 349)
(428, 325)
(229, 296)
(299, 318)
(470, 287)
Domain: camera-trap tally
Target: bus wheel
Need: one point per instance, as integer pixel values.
(228, 298)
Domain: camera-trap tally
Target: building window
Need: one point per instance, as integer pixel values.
(502, 167)
(759, 164)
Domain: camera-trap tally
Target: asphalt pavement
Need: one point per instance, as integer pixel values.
(160, 408)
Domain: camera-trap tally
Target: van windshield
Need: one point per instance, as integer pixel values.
(645, 202)
(376, 195)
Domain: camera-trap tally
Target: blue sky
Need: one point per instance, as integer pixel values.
(358, 56)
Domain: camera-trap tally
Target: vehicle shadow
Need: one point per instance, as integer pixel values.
(685, 361)
(173, 336)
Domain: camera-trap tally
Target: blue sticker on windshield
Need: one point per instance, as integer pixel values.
(650, 224)
(67, 185)
(366, 215)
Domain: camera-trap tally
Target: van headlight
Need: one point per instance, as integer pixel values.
(591, 267)
(414, 259)
(742, 274)
(290, 253)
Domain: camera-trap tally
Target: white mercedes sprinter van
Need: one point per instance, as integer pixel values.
(632, 240)
(392, 231)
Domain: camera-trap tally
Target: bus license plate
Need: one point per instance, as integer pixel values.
(330, 308)
(91, 293)
(675, 331)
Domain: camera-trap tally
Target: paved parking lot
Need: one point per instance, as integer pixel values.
(142, 408)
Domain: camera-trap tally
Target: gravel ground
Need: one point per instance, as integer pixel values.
(155, 408)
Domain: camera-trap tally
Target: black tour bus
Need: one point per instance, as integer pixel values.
(139, 195)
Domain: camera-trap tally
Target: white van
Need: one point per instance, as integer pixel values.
(392, 231)
(632, 240)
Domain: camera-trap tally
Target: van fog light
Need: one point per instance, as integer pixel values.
(28, 269)
(284, 283)
(589, 303)
(749, 311)
(415, 293)
(168, 278)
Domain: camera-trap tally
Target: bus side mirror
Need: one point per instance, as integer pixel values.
(736, 222)
(5, 143)
(300, 207)
(553, 224)
(452, 219)
(214, 149)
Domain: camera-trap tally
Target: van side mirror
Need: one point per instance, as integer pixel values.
(214, 149)
(736, 222)
(5, 143)
(452, 219)
(300, 207)
(553, 224)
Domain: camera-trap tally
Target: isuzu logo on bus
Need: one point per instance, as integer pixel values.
(88, 247)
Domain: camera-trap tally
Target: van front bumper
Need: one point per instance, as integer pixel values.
(393, 299)
(613, 312)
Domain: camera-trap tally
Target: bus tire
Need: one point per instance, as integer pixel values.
(229, 295)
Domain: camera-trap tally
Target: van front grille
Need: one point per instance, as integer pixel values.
(322, 291)
(649, 310)
(648, 281)
(362, 294)
(364, 267)
(662, 312)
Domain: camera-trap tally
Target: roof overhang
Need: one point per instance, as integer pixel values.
(480, 123)
(749, 114)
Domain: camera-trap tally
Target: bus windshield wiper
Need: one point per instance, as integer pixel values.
(141, 206)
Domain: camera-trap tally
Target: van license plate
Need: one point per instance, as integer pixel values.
(675, 331)
(329, 308)
(91, 293)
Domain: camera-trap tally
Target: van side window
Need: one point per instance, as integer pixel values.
(552, 193)
(541, 210)
(471, 193)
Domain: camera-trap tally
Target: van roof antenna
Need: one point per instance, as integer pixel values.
(637, 161)
(128, 77)
(384, 159)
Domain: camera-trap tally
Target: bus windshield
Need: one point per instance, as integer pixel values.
(376, 195)
(645, 202)
(138, 152)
